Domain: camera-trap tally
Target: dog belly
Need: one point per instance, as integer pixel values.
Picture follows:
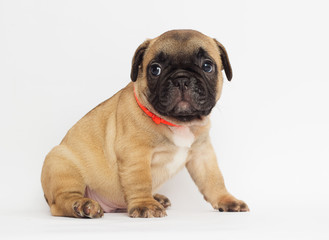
(106, 205)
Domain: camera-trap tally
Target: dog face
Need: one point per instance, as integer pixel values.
(180, 73)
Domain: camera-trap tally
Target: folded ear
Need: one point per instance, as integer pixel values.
(138, 60)
(225, 60)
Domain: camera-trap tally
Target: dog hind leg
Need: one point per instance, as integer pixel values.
(64, 186)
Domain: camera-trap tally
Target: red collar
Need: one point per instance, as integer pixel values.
(154, 117)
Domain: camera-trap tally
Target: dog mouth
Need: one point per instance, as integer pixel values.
(185, 111)
(183, 108)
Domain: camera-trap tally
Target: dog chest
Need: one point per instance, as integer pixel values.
(183, 139)
(168, 159)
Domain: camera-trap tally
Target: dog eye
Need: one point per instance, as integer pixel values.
(155, 69)
(207, 66)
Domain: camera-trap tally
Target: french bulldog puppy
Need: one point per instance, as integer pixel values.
(118, 155)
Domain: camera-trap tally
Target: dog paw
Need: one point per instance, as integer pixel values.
(163, 200)
(87, 208)
(229, 203)
(147, 209)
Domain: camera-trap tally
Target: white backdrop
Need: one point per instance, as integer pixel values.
(59, 59)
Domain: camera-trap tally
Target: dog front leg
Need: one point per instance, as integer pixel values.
(136, 180)
(204, 170)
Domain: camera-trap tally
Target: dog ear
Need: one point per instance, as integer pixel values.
(138, 60)
(225, 60)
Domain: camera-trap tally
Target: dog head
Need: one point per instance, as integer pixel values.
(179, 74)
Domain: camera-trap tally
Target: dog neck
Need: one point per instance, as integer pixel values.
(154, 117)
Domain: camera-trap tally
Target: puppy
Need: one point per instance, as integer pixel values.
(118, 155)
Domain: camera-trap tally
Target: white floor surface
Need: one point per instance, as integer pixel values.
(179, 224)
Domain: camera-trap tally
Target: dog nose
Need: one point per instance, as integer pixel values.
(182, 83)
